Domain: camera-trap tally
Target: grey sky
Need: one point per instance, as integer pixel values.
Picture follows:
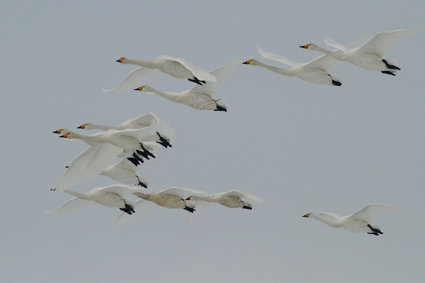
(301, 147)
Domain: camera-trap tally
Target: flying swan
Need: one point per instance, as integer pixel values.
(357, 222)
(200, 96)
(369, 55)
(176, 67)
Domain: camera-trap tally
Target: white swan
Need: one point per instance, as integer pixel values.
(231, 199)
(200, 97)
(368, 56)
(140, 122)
(357, 222)
(111, 196)
(176, 67)
(172, 198)
(315, 71)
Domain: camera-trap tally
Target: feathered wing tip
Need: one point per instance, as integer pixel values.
(330, 42)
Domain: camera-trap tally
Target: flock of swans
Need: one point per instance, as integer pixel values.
(139, 140)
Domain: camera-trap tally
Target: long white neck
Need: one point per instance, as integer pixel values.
(204, 198)
(341, 56)
(142, 195)
(285, 72)
(88, 139)
(77, 194)
(329, 223)
(101, 127)
(146, 64)
(172, 97)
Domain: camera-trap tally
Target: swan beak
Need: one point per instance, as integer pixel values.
(247, 62)
(139, 88)
(120, 60)
(307, 215)
(189, 198)
(65, 135)
(58, 131)
(82, 126)
(305, 47)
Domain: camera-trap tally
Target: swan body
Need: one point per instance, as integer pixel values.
(357, 222)
(369, 55)
(231, 199)
(172, 198)
(200, 96)
(176, 67)
(111, 196)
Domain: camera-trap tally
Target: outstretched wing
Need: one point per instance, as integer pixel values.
(370, 211)
(242, 194)
(275, 57)
(180, 191)
(71, 205)
(121, 190)
(135, 78)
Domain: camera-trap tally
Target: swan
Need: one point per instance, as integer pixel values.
(369, 55)
(140, 122)
(172, 198)
(231, 199)
(357, 222)
(315, 71)
(111, 196)
(176, 67)
(200, 97)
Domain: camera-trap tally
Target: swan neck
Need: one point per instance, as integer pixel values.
(335, 55)
(285, 72)
(205, 198)
(142, 195)
(146, 64)
(77, 194)
(329, 223)
(102, 127)
(96, 139)
(165, 95)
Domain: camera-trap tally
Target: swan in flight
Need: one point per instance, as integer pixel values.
(369, 55)
(232, 199)
(111, 196)
(357, 222)
(176, 67)
(315, 71)
(140, 122)
(200, 97)
(173, 198)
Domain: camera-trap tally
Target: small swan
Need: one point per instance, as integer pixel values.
(369, 55)
(200, 97)
(315, 71)
(172, 198)
(176, 67)
(357, 222)
(111, 196)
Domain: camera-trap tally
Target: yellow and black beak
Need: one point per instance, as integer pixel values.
(307, 215)
(58, 131)
(82, 126)
(139, 88)
(247, 62)
(65, 135)
(189, 198)
(120, 60)
(305, 47)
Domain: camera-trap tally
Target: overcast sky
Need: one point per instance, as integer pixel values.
(299, 146)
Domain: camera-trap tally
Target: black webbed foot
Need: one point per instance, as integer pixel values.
(190, 209)
(247, 207)
(336, 83)
(162, 141)
(388, 73)
(389, 66)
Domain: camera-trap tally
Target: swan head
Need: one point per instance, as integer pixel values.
(251, 62)
(189, 198)
(87, 126)
(307, 215)
(58, 131)
(67, 134)
(144, 88)
(121, 60)
(310, 46)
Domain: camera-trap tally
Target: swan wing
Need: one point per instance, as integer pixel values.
(76, 169)
(221, 74)
(330, 42)
(242, 194)
(139, 206)
(71, 205)
(198, 72)
(323, 62)
(275, 57)
(382, 41)
(102, 158)
(329, 216)
(370, 211)
(165, 126)
(145, 120)
(135, 78)
(363, 38)
(180, 191)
